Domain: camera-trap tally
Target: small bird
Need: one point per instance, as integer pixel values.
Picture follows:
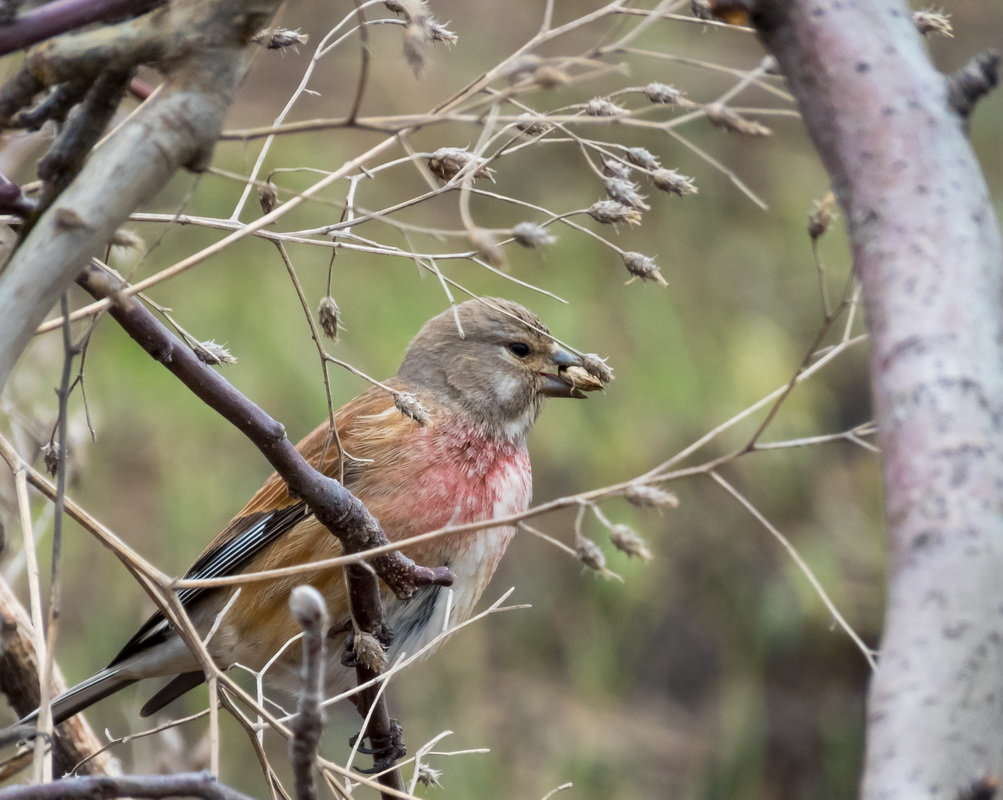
(480, 372)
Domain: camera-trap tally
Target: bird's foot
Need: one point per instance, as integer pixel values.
(386, 750)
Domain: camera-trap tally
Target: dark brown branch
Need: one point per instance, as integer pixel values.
(60, 16)
(12, 201)
(336, 507)
(310, 611)
(185, 784)
(973, 82)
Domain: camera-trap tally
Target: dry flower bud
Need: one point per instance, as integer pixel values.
(213, 354)
(929, 22)
(278, 38)
(597, 366)
(410, 406)
(589, 554)
(531, 235)
(624, 539)
(532, 126)
(447, 162)
(647, 496)
(427, 776)
(487, 247)
(625, 192)
(329, 315)
(643, 267)
(668, 180)
(643, 158)
(440, 34)
(603, 107)
(50, 456)
(724, 117)
(123, 237)
(821, 216)
(268, 197)
(610, 212)
(663, 93)
(614, 168)
(580, 379)
(368, 651)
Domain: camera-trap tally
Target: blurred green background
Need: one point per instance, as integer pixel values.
(714, 671)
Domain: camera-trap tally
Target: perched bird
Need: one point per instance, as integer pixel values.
(480, 372)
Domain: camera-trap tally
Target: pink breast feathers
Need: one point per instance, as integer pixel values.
(471, 476)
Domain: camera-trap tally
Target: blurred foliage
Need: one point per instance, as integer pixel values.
(713, 671)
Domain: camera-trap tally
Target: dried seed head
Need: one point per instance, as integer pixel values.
(440, 34)
(625, 192)
(610, 212)
(624, 539)
(589, 554)
(278, 38)
(668, 180)
(597, 366)
(724, 117)
(821, 216)
(603, 107)
(663, 93)
(410, 406)
(427, 776)
(268, 197)
(329, 316)
(531, 235)
(640, 266)
(642, 158)
(447, 162)
(420, 31)
(487, 247)
(213, 354)
(50, 456)
(614, 168)
(369, 652)
(930, 22)
(123, 237)
(579, 378)
(647, 496)
(532, 126)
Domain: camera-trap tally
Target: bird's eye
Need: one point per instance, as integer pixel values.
(518, 349)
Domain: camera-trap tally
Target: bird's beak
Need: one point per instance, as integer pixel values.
(552, 384)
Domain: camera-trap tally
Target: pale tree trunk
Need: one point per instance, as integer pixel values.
(890, 130)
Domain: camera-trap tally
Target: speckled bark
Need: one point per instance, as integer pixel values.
(927, 248)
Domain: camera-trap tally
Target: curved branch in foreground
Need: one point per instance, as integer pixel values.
(184, 784)
(927, 247)
(74, 740)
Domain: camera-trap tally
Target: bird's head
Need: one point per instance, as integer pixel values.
(493, 358)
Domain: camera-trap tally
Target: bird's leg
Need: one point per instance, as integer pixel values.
(386, 750)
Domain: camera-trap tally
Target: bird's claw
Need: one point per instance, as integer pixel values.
(386, 750)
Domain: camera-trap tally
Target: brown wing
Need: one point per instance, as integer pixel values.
(364, 425)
